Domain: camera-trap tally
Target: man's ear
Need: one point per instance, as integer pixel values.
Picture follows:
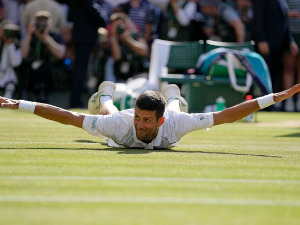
(161, 121)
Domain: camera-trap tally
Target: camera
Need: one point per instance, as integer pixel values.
(121, 28)
(41, 25)
(10, 30)
(42, 18)
(10, 33)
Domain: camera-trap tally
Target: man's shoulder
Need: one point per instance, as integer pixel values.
(173, 116)
(227, 11)
(127, 111)
(126, 114)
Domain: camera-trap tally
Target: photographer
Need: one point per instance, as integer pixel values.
(40, 49)
(10, 57)
(129, 49)
(177, 17)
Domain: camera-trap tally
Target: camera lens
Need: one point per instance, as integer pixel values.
(121, 28)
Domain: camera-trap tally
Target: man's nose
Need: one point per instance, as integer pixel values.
(139, 125)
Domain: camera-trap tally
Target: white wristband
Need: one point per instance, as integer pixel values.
(26, 106)
(265, 101)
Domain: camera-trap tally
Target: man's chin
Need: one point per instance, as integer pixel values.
(142, 138)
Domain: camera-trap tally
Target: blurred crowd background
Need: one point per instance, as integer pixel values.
(60, 51)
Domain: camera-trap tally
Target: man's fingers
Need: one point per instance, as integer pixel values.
(9, 105)
(3, 100)
(295, 89)
(278, 97)
(7, 100)
(3, 105)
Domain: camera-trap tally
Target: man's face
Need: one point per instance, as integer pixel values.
(210, 10)
(146, 124)
(135, 1)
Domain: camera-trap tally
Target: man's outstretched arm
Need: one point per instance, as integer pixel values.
(46, 111)
(239, 111)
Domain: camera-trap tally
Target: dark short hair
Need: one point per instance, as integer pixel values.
(153, 101)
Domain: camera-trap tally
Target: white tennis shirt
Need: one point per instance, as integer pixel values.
(119, 130)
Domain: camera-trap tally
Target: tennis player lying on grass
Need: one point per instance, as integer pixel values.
(149, 125)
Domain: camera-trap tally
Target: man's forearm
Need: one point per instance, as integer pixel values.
(115, 48)
(59, 115)
(57, 49)
(236, 112)
(26, 45)
(46, 111)
(241, 110)
(239, 30)
(139, 47)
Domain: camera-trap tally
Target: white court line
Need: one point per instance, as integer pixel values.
(151, 179)
(36, 142)
(147, 200)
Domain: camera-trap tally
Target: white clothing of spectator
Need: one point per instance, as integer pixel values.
(10, 58)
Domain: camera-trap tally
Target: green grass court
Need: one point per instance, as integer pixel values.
(233, 174)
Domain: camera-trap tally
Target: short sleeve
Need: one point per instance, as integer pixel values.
(195, 121)
(183, 123)
(113, 126)
(229, 15)
(90, 124)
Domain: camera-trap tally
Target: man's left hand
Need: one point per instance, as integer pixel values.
(280, 96)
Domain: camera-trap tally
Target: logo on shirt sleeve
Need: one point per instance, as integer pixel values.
(201, 118)
(94, 123)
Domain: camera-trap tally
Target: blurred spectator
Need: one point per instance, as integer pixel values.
(225, 21)
(87, 18)
(2, 11)
(40, 49)
(13, 10)
(176, 19)
(67, 37)
(33, 6)
(244, 10)
(99, 60)
(101, 52)
(272, 37)
(115, 3)
(10, 57)
(128, 47)
(199, 25)
(292, 61)
(142, 14)
(106, 9)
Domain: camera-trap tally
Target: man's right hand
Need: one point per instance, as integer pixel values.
(9, 103)
(31, 28)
